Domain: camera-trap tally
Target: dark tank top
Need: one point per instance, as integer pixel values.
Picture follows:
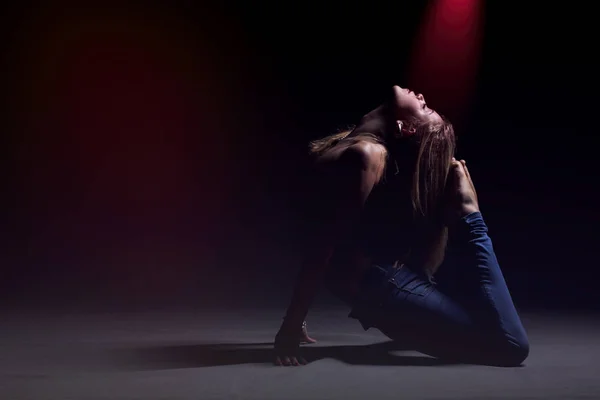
(383, 237)
(385, 232)
(386, 229)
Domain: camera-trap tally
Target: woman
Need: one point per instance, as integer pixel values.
(393, 204)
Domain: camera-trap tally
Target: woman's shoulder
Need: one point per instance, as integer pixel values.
(359, 152)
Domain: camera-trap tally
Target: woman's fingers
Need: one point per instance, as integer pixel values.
(290, 361)
(464, 164)
(283, 361)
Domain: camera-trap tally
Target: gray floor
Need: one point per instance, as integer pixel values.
(217, 355)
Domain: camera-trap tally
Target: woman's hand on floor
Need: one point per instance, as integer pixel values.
(287, 350)
(287, 346)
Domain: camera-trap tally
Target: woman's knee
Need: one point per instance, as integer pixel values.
(519, 352)
(510, 353)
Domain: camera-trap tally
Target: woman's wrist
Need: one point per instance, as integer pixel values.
(292, 325)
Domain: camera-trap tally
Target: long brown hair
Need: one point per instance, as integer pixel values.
(428, 152)
(320, 146)
(435, 144)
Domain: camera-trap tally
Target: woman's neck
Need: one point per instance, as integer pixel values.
(374, 123)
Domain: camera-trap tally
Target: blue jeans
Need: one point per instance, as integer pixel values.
(468, 318)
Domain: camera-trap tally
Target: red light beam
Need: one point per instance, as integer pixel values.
(447, 53)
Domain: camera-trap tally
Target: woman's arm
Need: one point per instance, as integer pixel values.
(348, 179)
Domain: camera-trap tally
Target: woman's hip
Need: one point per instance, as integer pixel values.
(383, 287)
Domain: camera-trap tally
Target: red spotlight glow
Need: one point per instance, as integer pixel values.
(446, 54)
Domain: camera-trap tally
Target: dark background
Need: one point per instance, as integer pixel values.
(151, 152)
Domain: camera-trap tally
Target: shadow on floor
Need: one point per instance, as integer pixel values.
(209, 355)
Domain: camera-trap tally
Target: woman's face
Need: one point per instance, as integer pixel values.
(407, 105)
(403, 106)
